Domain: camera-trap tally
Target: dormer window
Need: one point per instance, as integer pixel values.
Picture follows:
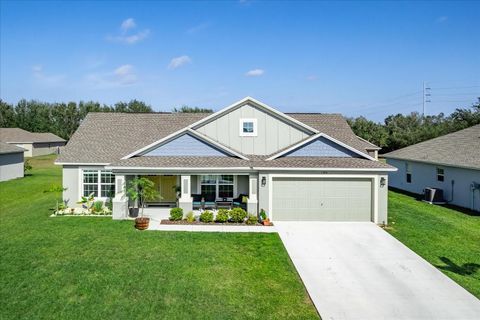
(248, 127)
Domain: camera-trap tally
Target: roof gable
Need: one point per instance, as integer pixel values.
(186, 145)
(326, 145)
(321, 147)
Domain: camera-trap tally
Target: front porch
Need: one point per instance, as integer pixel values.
(191, 192)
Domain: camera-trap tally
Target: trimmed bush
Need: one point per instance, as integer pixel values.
(176, 214)
(97, 206)
(222, 216)
(206, 216)
(237, 215)
(190, 217)
(251, 219)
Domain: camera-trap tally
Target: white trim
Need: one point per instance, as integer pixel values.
(374, 194)
(316, 136)
(80, 164)
(260, 104)
(99, 182)
(235, 182)
(253, 169)
(254, 133)
(186, 130)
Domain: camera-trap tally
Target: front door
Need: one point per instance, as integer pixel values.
(165, 186)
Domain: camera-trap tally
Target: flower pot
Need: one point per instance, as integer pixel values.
(133, 212)
(266, 222)
(142, 223)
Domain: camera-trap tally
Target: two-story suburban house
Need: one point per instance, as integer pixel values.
(450, 163)
(297, 166)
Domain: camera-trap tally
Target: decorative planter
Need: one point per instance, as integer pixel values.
(266, 222)
(142, 223)
(133, 212)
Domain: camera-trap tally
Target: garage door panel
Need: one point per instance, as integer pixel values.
(322, 199)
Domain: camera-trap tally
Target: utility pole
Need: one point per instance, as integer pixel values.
(425, 98)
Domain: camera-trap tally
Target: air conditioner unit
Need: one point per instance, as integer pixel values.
(433, 195)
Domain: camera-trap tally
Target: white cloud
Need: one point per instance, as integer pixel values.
(179, 61)
(126, 36)
(441, 19)
(123, 75)
(255, 73)
(48, 79)
(128, 24)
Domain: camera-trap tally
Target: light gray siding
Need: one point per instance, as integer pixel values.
(273, 133)
(71, 181)
(11, 166)
(424, 175)
(186, 145)
(322, 199)
(321, 147)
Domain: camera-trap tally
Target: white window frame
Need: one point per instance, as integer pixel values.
(248, 134)
(217, 184)
(440, 174)
(408, 171)
(99, 182)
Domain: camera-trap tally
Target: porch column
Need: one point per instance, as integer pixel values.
(120, 201)
(252, 203)
(185, 202)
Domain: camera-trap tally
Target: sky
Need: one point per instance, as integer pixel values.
(355, 58)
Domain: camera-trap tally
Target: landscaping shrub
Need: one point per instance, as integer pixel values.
(176, 214)
(237, 215)
(206, 216)
(190, 217)
(97, 206)
(222, 216)
(251, 219)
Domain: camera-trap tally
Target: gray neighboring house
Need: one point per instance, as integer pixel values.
(450, 162)
(34, 143)
(11, 162)
(295, 166)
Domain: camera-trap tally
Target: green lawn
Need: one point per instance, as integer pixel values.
(448, 239)
(96, 268)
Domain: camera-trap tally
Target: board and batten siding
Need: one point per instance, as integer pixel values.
(321, 147)
(186, 145)
(424, 175)
(11, 166)
(273, 133)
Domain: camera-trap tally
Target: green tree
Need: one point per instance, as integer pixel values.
(187, 109)
(7, 115)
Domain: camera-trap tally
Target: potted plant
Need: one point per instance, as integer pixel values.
(141, 190)
(263, 218)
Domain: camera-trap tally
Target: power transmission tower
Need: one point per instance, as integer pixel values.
(425, 98)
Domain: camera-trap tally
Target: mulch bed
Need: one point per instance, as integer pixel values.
(184, 222)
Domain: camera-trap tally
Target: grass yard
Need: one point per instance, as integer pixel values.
(96, 268)
(448, 239)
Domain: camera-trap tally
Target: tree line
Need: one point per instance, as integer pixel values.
(396, 131)
(399, 131)
(63, 119)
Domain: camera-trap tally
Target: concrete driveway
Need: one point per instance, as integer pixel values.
(359, 271)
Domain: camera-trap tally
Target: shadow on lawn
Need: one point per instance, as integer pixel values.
(465, 269)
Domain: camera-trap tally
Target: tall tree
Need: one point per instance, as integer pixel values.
(187, 109)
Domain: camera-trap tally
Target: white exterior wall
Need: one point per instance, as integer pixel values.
(28, 148)
(273, 134)
(71, 181)
(41, 149)
(11, 166)
(425, 175)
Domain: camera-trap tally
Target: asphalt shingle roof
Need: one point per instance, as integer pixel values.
(107, 137)
(8, 148)
(17, 135)
(458, 149)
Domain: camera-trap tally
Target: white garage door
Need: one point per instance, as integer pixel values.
(322, 199)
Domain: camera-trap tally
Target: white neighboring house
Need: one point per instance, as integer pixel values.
(34, 143)
(11, 162)
(295, 166)
(450, 162)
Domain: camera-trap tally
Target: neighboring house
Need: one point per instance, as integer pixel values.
(450, 162)
(11, 162)
(295, 166)
(34, 143)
